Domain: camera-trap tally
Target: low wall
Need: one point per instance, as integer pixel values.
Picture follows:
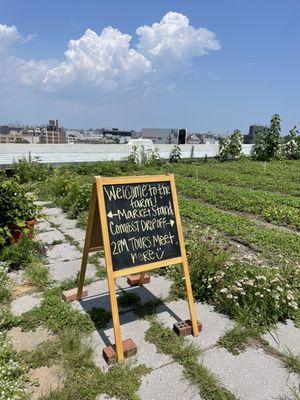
(75, 153)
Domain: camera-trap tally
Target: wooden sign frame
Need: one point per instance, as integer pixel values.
(97, 239)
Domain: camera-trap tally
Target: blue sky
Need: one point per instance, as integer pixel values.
(204, 65)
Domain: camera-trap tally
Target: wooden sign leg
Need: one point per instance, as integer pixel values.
(190, 297)
(87, 241)
(115, 317)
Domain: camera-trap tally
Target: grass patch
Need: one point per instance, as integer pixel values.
(38, 275)
(186, 354)
(95, 259)
(56, 315)
(72, 283)
(83, 379)
(291, 361)
(73, 242)
(237, 339)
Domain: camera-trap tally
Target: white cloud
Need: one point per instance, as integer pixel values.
(105, 60)
(173, 38)
(8, 35)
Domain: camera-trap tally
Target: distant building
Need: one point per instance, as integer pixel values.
(14, 137)
(254, 132)
(73, 136)
(164, 135)
(202, 138)
(53, 134)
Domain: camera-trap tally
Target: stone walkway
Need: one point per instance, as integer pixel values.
(251, 375)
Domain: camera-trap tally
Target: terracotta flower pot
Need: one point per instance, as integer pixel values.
(17, 232)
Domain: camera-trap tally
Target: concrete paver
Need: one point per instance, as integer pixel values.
(49, 237)
(44, 226)
(28, 340)
(49, 380)
(167, 383)
(251, 375)
(77, 234)
(214, 324)
(63, 252)
(62, 221)
(158, 288)
(134, 328)
(52, 211)
(25, 303)
(62, 270)
(285, 337)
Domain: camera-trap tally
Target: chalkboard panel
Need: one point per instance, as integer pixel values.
(141, 223)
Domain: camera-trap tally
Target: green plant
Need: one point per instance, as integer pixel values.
(236, 339)
(38, 275)
(291, 361)
(291, 147)
(7, 320)
(231, 147)
(16, 207)
(175, 155)
(23, 253)
(13, 375)
(267, 146)
(32, 170)
(4, 283)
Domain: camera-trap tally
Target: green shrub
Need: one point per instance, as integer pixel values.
(21, 254)
(253, 295)
(31, 171)
(16, 207)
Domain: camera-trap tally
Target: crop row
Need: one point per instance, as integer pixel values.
(287, 170)
(215, 173)
(270, 240)
(273, 207)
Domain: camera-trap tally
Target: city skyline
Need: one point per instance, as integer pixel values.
(194, 65)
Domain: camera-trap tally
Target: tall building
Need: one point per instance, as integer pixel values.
(254, 132)
(53, 134)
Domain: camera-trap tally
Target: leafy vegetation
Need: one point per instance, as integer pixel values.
(231, 147)
(16, 208)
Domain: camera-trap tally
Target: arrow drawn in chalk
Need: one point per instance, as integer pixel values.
(171, 222)
(111, 215)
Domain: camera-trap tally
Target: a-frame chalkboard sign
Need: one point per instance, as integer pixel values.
(136, 221)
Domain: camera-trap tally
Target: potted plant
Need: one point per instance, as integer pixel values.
(18, 212)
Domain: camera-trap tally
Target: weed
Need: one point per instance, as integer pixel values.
(291, 361)
(55, 242)
(236, 339)
(38, 275)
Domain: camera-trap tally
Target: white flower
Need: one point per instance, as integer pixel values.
(229, 296)
(224, 290)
